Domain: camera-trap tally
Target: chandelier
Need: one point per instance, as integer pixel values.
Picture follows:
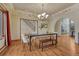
(43, 15)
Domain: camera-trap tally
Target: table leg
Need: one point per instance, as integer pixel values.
(42, 46)
(52, 43)
(56, 40)
(30, 44)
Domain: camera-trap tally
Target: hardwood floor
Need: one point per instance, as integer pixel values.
(66, 47)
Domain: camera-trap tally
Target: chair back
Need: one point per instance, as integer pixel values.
(24, 38)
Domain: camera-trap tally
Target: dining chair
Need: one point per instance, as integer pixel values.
(25, 40)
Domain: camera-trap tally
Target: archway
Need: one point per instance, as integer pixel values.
(65, 26)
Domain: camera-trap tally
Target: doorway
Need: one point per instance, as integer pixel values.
(3, 30)
(65, 26)
(68, 27)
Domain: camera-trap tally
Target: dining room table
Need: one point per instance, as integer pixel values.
(35, 35)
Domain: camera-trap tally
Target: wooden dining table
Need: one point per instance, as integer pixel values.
(35, 35)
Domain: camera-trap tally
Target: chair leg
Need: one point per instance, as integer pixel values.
(23, 46)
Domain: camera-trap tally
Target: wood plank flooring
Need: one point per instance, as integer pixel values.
(66, 47)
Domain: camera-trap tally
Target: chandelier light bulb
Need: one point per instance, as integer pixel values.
(39, 16)
(47, 16)
(43, 14)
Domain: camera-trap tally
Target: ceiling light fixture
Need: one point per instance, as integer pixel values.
(43, 15)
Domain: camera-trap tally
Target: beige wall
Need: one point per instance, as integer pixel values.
(12, 15)
(72, 13)
(21, 14)
(15, 15)
(28, 16)
(43, 30)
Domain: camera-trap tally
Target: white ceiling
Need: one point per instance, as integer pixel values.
(50, 8)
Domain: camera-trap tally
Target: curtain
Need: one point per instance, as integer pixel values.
(8, 29)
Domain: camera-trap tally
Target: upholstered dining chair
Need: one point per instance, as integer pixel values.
(25, 40)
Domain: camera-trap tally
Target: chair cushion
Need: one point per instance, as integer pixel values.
(24, 38)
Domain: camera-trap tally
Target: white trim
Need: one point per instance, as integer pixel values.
(71, 8)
